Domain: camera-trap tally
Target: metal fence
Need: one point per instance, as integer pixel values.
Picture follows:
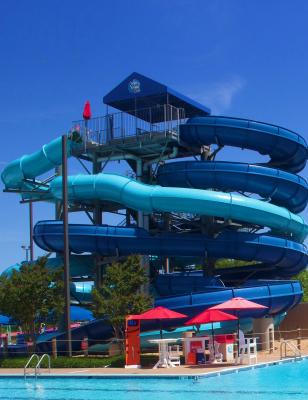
(163, 119)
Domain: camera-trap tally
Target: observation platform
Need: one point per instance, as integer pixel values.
(145, 123)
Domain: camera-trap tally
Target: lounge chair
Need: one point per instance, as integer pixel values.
(174, 354)
(248, 350)
(215, 354)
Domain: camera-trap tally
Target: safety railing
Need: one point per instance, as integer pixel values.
(163, 119)
(287, 344)
(37, 367)
(29, 363)
(271, 351)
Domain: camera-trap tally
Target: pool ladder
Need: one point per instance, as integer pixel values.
(37, 368)
(288, 344)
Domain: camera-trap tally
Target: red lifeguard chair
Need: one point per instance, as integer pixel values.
(132, 342)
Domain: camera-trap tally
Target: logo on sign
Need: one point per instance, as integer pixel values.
(134, 86)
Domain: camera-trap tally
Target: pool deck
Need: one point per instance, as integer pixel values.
(264, 358)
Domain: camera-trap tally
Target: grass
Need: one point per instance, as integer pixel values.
(147, 360)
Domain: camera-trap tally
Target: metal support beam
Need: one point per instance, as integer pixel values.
(31, 230)
(97, 220)
(166, 219)
(208, 228)
(139, 171)
(67, 294)
(58, 204)
(97, 212)
(83, 165)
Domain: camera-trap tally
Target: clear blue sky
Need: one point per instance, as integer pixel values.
(241, 58)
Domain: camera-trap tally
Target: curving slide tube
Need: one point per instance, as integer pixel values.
(19, 173)
(288, 257)
(287, 149)
(276, 186)
(278, 296)
(197, 187)
(148, 198)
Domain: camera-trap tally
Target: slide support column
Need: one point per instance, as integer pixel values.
(98, 220)
(67, 294)
(31, 230)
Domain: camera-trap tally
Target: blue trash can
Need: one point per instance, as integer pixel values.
(200, 358)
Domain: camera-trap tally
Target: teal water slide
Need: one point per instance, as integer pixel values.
(147, 198)
(280, 249)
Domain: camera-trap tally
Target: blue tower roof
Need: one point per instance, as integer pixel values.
(138, 91)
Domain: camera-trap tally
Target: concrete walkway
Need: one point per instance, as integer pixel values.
(263, 357)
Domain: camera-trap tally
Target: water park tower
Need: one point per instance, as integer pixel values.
(141, 126)
(179, 206)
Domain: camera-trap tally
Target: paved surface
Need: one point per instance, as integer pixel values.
(263, 357)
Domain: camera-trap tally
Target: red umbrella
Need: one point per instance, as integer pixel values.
(210, 316)
(160, 313)
(87, 111)
(238, 304)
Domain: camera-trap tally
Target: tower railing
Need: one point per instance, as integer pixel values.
(161, 119)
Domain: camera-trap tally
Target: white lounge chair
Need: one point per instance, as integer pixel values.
(248, 350)
(174, 354)
(215, 354)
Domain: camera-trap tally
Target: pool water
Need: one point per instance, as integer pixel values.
(285, 381)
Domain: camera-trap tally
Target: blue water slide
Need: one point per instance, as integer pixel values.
(286, 256)
(186, 191)
(151, 198)
(287, 149)
(19, 173)
(278, 296)
(79, 265)
(277, 186)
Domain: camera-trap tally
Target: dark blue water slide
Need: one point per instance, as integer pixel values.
(277, 186)
(278, 296)
(287, 149)
(276, 256)
(286, 256)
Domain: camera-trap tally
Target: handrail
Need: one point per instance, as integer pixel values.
(38, 365)
(287, 343)
(28, 363)
(121, 125)
(37, 368)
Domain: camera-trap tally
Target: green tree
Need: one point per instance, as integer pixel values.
(303, 278)
(120, 294)
(31, 295)
(229, 262)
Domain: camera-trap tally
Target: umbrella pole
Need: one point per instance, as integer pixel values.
(213, 340)
(161, 329)
(238, 335)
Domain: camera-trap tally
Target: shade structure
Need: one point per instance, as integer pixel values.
(87, 111)
(238, 304)
(81, 314)
(210, 316)
(4, 320)
(160, 313)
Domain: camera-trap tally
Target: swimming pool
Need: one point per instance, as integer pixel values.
(285, 381)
